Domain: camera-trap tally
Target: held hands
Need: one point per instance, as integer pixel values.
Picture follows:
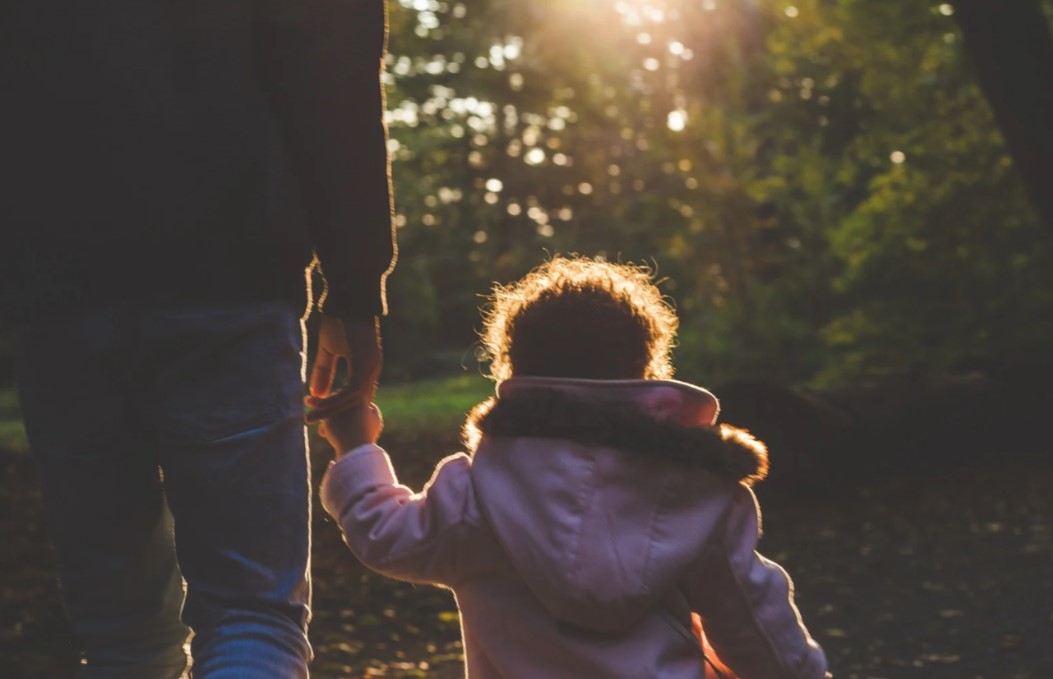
(358, 343)
(348, 417)
(349, 429)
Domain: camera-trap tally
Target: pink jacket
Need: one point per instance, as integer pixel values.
(592, 519)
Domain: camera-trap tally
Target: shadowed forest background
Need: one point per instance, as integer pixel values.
(851, 205)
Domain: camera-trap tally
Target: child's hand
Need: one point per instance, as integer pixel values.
(351, 428)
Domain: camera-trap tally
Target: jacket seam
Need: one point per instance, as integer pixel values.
(584, 492)
(656, 515)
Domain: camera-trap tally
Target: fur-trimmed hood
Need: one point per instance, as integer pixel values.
(603, 492)
(657, 419)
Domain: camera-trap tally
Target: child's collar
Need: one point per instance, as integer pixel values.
(681, 402)
(662, 419)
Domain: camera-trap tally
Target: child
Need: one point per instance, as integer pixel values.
(599, 510)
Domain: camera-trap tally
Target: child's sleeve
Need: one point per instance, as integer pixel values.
(402, 534)
(746, 604)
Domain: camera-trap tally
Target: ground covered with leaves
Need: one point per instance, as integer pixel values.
(941, 577)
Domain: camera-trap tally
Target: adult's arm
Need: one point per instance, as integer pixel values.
(746, 604)
(322, 61)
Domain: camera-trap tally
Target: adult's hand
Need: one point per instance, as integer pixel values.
(357, 342)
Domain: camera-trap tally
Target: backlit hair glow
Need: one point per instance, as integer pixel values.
(579, 317)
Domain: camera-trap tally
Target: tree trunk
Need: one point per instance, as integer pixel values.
(1011, 46)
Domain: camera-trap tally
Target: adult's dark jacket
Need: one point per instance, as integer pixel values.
(155, 150)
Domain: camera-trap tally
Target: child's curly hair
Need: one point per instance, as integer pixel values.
(579, 317)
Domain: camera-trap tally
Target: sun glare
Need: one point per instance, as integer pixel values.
(640, 12)
(676, 120)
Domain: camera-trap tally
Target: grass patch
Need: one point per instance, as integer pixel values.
(8, 401)
(437, 405)
(13, 436)
(12, 433)
(432, 405)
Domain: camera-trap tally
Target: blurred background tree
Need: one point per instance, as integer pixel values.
(831, 189)
(821, 183)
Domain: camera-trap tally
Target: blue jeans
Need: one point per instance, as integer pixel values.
(170, 447)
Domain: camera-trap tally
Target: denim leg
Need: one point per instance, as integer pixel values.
(222, 390)
(106, 512)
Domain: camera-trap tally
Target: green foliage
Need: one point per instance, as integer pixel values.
(821, 184)
(436, 405)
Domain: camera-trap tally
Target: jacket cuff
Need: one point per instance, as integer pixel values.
(363, 467)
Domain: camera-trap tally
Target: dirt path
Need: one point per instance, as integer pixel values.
(933, 578)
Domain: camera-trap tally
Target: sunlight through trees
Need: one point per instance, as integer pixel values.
(822, 183)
